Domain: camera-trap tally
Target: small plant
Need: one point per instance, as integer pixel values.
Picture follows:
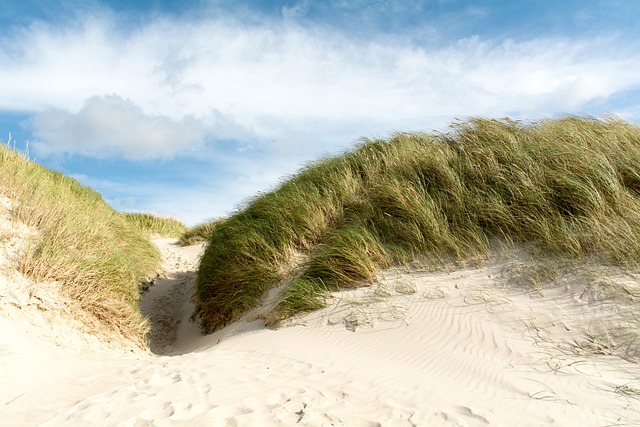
(533, 276)
(303, 295)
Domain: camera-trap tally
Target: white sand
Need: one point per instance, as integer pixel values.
(420, 348)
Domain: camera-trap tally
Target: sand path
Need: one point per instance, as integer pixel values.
(168, 303)
(419, 348)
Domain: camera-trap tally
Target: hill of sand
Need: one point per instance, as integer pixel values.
(463, 347)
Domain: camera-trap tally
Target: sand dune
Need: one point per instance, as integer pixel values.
(446, 348)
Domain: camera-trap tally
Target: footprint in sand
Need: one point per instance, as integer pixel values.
(184, 411)
(462, 416)
(164, 410)
(160, 379)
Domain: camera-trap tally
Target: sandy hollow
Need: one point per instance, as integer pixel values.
(446, 348)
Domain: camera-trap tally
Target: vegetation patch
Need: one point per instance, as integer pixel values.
(155, 225)
(568, 187)
(97, 255)
(200, 232)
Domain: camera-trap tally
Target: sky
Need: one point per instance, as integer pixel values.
(189, 109)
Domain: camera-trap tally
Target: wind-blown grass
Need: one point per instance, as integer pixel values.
(155, 225)
(96, 254)
(200, 232)
(570, 187)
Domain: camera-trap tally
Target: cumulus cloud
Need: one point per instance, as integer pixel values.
(108, 126)
(274, 80)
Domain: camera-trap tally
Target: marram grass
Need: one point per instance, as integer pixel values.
(155, 225)
(570, 187)
(200, 232)
(96, 254)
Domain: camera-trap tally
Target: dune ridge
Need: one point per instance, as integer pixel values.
(568, 188)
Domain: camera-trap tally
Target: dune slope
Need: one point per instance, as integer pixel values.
(459, 347)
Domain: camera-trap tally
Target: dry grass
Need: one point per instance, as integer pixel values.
(96, 254)
(155, 225)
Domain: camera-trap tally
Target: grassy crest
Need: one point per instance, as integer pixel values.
(155, 225)
(200, 232)
(96, 254)
(571, 187)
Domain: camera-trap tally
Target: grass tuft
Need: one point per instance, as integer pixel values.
(155, 225)
(200, 232)
(302, 295)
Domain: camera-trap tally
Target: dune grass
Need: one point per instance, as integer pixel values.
(200, 232)
(155, 225)
(570, 187)
(96, 254)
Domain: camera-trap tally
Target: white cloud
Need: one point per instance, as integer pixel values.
(280, 83)
(295, 11)
(286, 93)
(111, 126)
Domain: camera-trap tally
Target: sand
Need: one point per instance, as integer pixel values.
(462, 347)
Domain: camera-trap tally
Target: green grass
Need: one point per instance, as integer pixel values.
(570, 187)
(97, 254)
(200, 232)
(154, 225)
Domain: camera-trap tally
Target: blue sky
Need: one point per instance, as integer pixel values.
(189, 108)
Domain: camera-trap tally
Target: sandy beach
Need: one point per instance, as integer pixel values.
(457, 347)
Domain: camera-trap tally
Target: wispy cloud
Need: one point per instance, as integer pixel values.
(249, 97)
(295, 11)
(167, 84)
